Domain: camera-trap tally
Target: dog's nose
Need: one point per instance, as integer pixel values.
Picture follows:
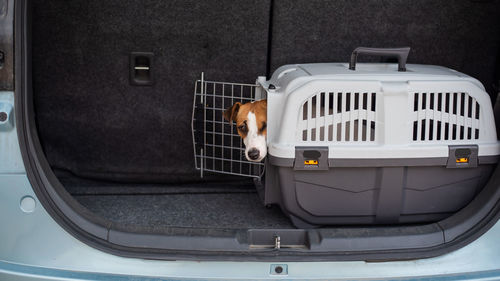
(253, 153)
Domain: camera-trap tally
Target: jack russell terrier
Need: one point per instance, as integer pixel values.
(250, 119)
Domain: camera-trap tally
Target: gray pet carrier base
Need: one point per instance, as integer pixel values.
(366, 192)
(376, 143)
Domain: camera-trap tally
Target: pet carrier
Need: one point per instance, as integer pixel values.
(376, 143)
(366, 143)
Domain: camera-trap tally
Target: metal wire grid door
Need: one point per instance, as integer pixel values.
(217, 146)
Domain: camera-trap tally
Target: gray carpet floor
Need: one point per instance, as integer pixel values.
(201, 210)
(232, 204)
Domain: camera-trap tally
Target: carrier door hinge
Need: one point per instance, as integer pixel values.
(462, 156)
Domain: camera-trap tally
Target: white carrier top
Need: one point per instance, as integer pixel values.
(376, 111)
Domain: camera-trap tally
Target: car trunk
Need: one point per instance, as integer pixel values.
(124, 152)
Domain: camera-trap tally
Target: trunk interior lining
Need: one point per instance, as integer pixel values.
(92, 122)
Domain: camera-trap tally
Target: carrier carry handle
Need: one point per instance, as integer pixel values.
(400, 53)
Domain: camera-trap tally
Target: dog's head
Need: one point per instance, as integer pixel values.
(251, 123)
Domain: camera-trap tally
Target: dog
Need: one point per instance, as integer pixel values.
(251, 124)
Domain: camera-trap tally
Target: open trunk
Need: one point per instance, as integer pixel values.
(116, 159)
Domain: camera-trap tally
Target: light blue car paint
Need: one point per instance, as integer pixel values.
(34, 247)
(10, 153)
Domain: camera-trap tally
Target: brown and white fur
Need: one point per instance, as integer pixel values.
(251, 124)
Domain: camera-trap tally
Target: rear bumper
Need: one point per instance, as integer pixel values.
(34, 247)
(11, 271)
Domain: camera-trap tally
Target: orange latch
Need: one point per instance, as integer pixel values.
(311, 162)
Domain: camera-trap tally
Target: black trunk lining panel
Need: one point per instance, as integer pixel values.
(92, 122)
(462, 35)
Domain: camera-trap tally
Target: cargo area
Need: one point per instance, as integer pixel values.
(124, 152)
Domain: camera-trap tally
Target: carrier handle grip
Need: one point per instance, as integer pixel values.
(400, 53)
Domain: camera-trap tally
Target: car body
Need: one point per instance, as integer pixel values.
(38, 241)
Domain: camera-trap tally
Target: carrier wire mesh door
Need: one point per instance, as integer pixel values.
(217, 146)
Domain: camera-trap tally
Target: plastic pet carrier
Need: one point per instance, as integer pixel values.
(375, 143)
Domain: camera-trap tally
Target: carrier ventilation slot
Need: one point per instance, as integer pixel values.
(445, 117)
(338, 117)
(217, 146)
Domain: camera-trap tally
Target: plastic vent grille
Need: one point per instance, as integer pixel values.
(338, 117)
(217, 146)
(445, 117)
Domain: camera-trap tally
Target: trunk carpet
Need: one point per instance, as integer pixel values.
(232, 204)
(200, 210)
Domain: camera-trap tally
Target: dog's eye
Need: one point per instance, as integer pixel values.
(264, 126)
(242, 127)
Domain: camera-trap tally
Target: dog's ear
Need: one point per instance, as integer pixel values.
(230, 113)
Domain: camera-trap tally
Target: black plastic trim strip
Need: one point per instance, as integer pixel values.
(211, 244)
